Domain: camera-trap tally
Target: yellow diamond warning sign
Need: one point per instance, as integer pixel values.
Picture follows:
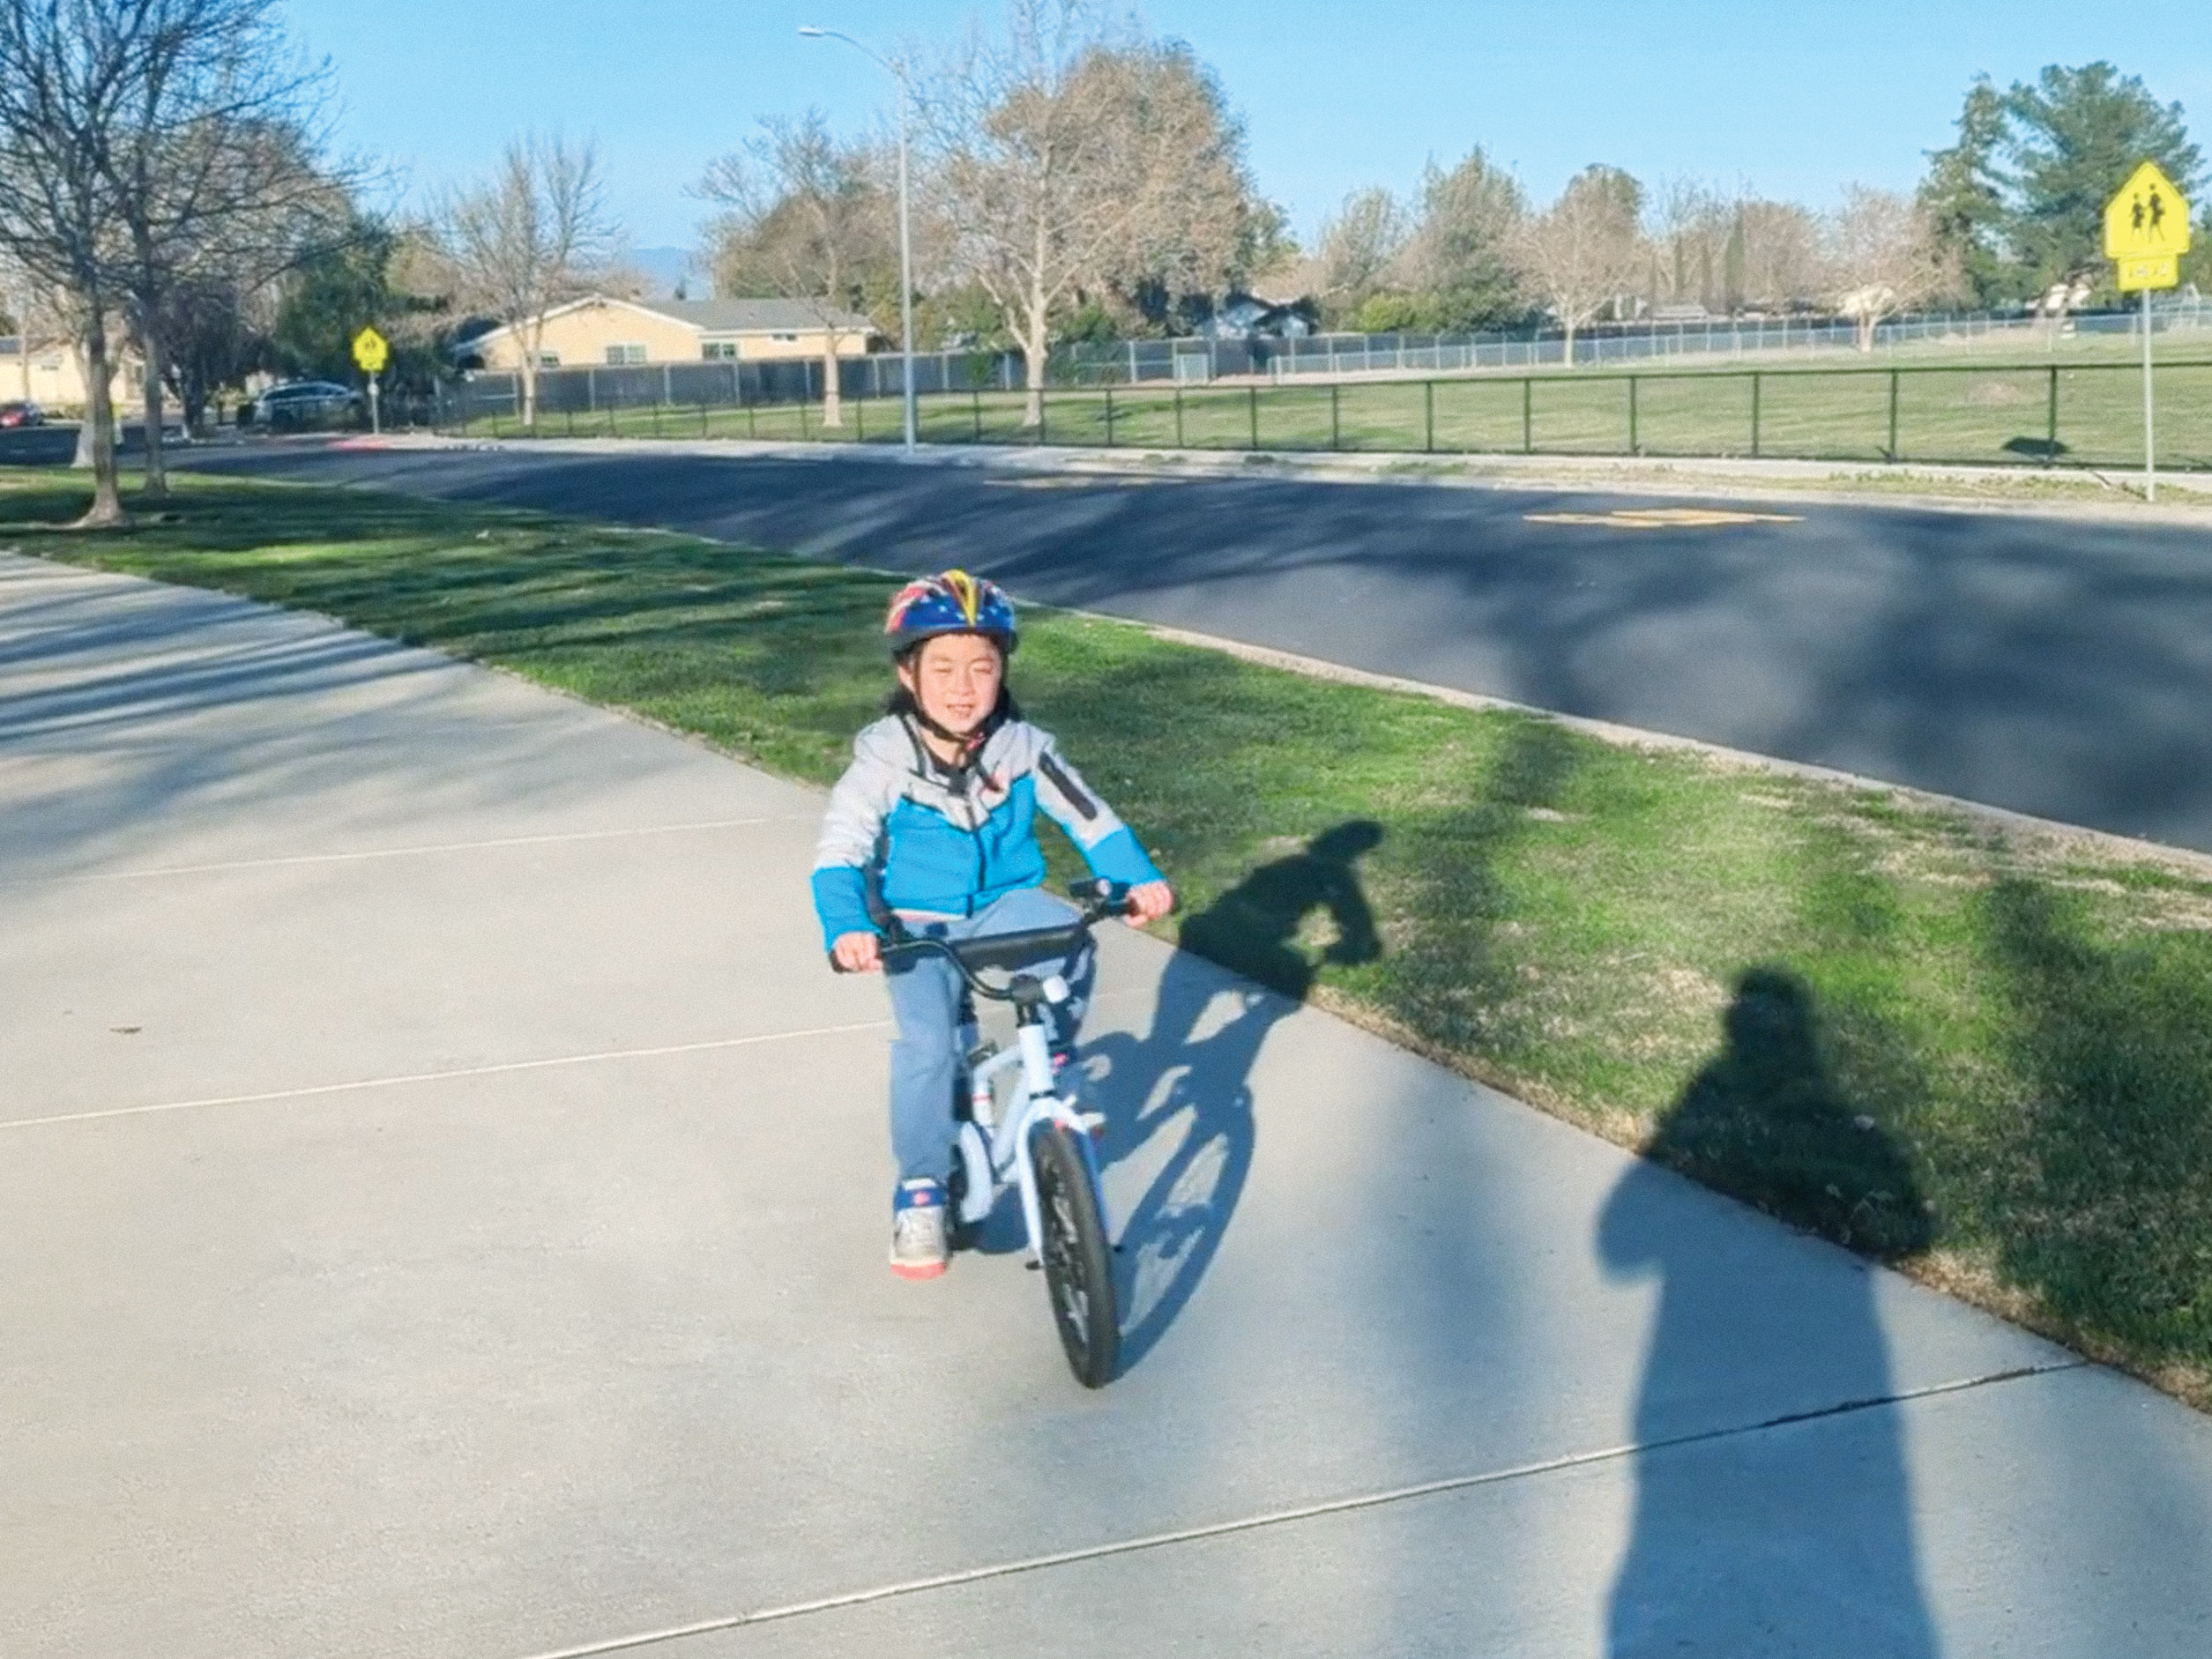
(2148, 220)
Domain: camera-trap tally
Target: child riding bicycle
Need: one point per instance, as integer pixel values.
(933, 823)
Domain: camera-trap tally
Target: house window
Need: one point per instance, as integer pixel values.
(548, 360)
(622, 356)
(783, 337)
(719, 351)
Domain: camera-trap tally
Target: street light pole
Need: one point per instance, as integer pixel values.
(897, 71)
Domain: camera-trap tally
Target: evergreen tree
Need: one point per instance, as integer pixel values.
(1963, 194)
(2076, 134)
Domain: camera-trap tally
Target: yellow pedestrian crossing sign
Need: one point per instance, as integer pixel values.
(371, 351)
(2147, 230)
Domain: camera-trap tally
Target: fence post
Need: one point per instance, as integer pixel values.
(803, 434)
(2051, 425)
(975, 396)
(1109, 396)
(1893, 414)
(1179, 413)
(666, 394)
(1634, 447)
(1755, 378)
(1528, 415)
(1428, 417)
(1252, 395)
(1334, 425)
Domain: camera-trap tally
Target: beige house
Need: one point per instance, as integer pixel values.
(597, 331)
(52, 376)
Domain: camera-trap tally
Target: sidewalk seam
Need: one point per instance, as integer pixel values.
(1284, 1517)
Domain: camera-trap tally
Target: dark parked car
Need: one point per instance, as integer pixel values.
(302, 406)
(21, 413)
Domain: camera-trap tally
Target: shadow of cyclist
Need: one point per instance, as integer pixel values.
(1185, 1085)
(1783, 1543)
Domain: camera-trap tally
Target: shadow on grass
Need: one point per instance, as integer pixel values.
(1187, 1080)
(2103, 1206)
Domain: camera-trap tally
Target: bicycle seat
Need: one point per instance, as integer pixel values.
(1012, 951)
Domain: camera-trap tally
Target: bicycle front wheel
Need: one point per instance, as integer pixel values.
(1078, 1263)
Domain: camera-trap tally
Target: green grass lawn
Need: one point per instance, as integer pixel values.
(1987, 1059)
(1961, 411)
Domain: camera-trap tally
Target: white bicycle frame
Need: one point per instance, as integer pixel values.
(995, 1150)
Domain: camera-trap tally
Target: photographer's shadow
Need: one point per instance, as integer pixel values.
(1186, 1084)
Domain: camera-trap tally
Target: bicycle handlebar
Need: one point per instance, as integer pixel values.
(1010, 952)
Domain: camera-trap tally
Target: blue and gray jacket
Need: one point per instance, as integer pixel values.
(926, 839)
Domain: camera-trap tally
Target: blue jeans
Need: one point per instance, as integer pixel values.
(925, 1000)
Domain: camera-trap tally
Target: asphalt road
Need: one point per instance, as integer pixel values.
(2052, 667)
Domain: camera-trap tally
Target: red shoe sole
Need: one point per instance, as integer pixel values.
(934, 1270)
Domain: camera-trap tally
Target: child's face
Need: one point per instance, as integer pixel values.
(955, 678)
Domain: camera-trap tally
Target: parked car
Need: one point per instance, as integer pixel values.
(21, 413)
(301, 405)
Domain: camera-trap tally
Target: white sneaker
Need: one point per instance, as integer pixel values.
(919, 1249)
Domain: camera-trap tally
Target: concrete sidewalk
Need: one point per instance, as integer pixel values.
(445, 1209)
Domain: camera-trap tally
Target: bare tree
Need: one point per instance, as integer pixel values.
(1884, 255)
(1070, 154)
(69, 70)
(1585, 252)
(809, 220)
(215, 174)
(1781, 258)
(1359, 249)
(526, 241)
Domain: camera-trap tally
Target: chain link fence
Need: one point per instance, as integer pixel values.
(566, 395)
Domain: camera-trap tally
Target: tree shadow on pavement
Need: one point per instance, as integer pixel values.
(1185, 1085)
(1793, 1540)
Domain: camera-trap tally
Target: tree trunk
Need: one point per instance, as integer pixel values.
(157, 467)
(530, 379)
(1568, 354)
(100, 415)
(1866, 321)
(83, 459)
(832, 407)
(1033, 364)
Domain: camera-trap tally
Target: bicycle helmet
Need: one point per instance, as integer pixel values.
(952, 603)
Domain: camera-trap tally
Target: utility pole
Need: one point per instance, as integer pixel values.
(897, 69)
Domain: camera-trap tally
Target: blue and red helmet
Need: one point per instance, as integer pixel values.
(952, 603)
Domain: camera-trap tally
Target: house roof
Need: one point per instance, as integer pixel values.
(752, 317)
(717, 317)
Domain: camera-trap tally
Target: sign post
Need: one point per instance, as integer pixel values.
(2146, 233)
(372, 353)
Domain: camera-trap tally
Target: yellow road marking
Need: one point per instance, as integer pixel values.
(1664, 519)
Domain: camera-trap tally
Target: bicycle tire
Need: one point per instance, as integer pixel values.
(1078, 1263)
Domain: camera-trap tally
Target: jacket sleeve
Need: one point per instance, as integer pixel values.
(1108, 845)
(852, 831)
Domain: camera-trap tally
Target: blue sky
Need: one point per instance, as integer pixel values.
(1793, 101)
